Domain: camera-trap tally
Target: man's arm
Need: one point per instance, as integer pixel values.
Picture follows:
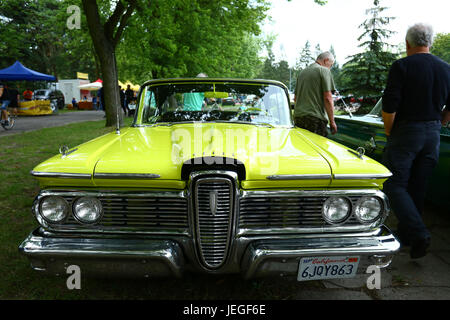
(388, 119)
(392, 97)
(329, 108)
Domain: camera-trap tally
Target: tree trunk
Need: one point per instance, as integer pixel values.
(104, 45)
(111, 88)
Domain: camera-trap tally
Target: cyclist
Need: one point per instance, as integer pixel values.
(14, 98)
(4, 103)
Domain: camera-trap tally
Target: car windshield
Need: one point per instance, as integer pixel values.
(376, 111)
(252, 103)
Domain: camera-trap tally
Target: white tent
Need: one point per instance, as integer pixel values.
(91, 86)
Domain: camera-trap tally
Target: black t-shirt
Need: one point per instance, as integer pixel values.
(418, 87)
(129, 94)
(5, 94)
(13, 98)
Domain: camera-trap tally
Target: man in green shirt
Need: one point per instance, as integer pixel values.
(313, 96)
(194, 101)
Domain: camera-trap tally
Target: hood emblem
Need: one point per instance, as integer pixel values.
(64, 151)
(213, 197)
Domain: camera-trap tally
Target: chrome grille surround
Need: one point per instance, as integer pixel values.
(213, 198)
(291, 211)
(158, 212)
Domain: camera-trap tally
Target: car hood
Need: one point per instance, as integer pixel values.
(153, 156)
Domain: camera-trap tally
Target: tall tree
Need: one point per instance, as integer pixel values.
(106, 36)
(305, 58)
(367, 71)
(336, 70)
(175, 38)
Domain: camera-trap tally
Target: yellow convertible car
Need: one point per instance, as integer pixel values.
(198, 185)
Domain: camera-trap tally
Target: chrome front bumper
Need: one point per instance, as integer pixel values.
(159, 257)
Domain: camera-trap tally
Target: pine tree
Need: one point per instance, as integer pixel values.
(367, 71)
(305, 58)
(335, 69)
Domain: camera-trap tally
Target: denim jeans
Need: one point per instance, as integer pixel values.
(4, 104)
(412, 151)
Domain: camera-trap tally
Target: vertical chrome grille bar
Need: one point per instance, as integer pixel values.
(213, 204)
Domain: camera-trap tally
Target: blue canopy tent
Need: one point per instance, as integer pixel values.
(18, 72)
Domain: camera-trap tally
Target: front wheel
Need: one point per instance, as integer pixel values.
(10, 123)
(54, 106)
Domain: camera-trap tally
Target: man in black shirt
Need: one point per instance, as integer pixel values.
(129, 96)
(122, 101)
(417, 89)
(14, 96)
(4, 103)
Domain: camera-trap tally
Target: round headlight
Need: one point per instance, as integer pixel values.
(336, 209)
(54, 209)
(87, 210)
(368, 209)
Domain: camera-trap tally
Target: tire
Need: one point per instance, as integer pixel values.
(54, 106)
(61, 104)
(11, 121)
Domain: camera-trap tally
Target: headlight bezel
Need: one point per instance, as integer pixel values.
(341, 220)
(79, 219)
(358, 205)
(46, 219)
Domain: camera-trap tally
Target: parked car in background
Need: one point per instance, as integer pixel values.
(228, 101)
(367, 131)
(56, 98)
(238, 190)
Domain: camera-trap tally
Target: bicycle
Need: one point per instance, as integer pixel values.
(11, 119)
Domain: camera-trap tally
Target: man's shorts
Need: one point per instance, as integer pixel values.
(4, 104)
(312, 124)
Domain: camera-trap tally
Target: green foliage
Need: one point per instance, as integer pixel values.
(35, 33)
(173, 38)
(163, 38)
(366, 72)
(441, 46)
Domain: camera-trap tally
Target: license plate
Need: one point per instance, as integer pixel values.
(320, 268)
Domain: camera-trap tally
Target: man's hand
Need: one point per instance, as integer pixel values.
(333, 127)
(329, 109)
(445, 117)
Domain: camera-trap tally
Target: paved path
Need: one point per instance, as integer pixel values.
(30, 123)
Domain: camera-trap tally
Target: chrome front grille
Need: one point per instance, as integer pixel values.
(213, 204)
(263, 212)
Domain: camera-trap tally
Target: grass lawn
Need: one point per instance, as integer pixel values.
(19, 154)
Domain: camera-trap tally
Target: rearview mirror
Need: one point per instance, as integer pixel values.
(217, 95)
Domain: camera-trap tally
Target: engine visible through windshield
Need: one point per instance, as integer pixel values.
(254, 103)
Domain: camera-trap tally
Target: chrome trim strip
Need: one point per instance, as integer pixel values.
(299, 177)
(312, 193)
(132, 176)
(361, 176)
(60, 175)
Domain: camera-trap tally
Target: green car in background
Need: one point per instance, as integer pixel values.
(367, 131)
